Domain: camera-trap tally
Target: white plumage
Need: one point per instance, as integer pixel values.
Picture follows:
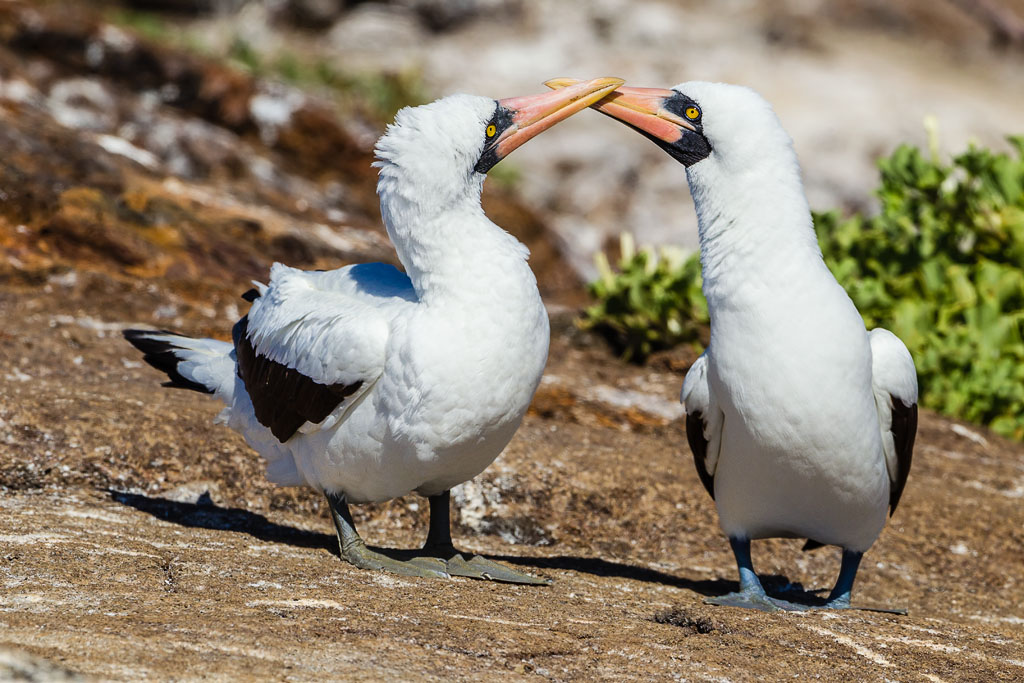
(788, 386)
(448, 356)
(368, 383)
(801, 422)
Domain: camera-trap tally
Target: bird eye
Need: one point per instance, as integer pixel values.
(692, 113)
(491, 130)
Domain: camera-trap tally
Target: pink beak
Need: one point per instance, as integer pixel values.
(534, 114)
(641, 108)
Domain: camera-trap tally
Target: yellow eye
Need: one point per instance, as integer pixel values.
(692, 113)
(491, 130)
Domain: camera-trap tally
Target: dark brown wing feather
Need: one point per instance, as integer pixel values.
(283, 398)
(904, 430)
(699, 447)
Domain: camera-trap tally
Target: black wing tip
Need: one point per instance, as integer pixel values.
(177, 381)
(160, 354)
(143, 340)
(251, 295)
(140, 338)
(811, 544)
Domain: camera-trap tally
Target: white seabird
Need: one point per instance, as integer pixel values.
(801, 422)
(367, 383)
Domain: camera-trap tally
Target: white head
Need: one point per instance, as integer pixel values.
(739, 161)
(433, 160)
(438, 154)
(430, 152)
(740, 127)
(749, 176)
(700, 122)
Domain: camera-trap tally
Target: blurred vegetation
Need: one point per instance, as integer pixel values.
(652, 302)
(506, 175)
(375, 95)
(940, 266)
(378, 95)
(148, 25)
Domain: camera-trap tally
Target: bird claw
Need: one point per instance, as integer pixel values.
(438, 559)
(430, 563)
(752, 599)
(478, 567)
(362, 557)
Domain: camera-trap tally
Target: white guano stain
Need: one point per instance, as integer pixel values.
(849, 642)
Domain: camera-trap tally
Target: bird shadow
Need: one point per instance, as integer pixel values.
(596, 566)
(205, 514)
(775, 585)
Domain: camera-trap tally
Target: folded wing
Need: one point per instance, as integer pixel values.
(894, 381)
(703, 422)
(314, 342)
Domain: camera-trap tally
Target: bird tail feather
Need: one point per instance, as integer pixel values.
(204, 365)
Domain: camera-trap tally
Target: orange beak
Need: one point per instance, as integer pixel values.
(641, 108)
(534, 114)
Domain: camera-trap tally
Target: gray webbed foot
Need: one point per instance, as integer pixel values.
(362, 557)
(751, 594)
(753, 598)
(479, 567)
(354, 550)
(839, 598)
(437, 559)
(844, 603)
(439, 545)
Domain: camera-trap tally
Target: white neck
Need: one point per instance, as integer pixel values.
(756, 235)
(450, 249)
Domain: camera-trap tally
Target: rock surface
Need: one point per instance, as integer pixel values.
(140, 540)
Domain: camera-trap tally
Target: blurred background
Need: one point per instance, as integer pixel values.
(851, 79)
(184, 145)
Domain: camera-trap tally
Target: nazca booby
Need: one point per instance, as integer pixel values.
(367, 383)
(801, 422)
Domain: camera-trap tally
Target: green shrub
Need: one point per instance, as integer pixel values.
(940, 266)
(653, 302)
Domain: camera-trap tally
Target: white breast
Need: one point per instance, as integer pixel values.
(456, 384)
(801, 449)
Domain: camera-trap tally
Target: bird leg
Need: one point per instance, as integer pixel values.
(839, 598)
(439, 547)
(355, 551)
(751, 593)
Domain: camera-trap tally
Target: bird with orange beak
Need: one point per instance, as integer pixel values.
(367, 382)
(801, 422)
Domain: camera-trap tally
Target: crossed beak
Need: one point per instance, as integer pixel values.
(641, 108)
(534, 114)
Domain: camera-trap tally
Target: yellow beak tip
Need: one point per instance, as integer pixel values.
(556, 83)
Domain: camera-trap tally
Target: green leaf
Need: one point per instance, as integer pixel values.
(940, 265)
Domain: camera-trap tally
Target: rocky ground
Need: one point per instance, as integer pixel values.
(143, 185)
(141, 540)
